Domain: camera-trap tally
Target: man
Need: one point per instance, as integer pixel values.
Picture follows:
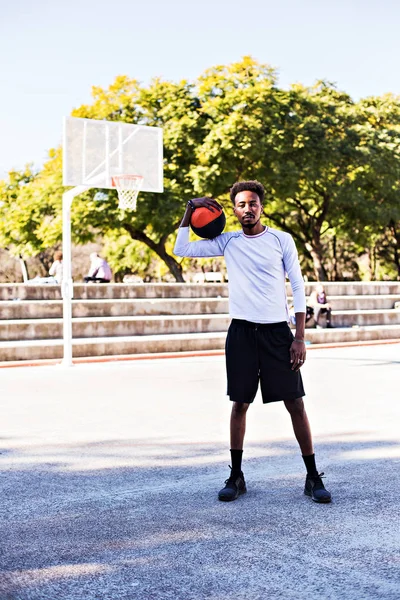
(320, 305)
(259, 346)
(99, 271)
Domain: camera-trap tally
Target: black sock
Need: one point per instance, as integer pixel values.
(236, 456)
(309, 461)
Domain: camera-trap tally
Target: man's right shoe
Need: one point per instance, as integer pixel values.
(234, 487)
(316, 489)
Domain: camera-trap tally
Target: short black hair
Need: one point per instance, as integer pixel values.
(247, 186)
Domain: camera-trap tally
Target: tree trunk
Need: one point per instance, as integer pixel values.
(334, 259)
(173, 265)
(315, 249)
(374, 262)
(159, 248)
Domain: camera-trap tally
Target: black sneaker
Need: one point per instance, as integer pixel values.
(316, 489)
(234, 487)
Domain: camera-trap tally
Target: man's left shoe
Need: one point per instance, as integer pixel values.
(234, 487)
(316, 489)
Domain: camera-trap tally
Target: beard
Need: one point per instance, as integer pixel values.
(251, 225)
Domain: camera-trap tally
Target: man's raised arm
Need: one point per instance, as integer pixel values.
(203, 248)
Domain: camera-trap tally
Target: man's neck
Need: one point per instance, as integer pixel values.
(256, 230)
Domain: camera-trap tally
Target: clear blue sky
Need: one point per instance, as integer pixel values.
(54, 51)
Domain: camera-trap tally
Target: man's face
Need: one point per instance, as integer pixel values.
(248, 208)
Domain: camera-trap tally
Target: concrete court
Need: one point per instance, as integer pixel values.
(109, 474)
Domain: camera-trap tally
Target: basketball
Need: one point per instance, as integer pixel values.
(206, 223)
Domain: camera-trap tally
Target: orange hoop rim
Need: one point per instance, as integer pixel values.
(117, 180)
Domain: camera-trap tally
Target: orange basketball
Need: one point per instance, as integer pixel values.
(206, 223)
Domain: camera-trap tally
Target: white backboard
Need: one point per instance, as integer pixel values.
(94, 151)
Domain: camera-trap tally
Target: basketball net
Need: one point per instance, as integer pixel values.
(128, 188)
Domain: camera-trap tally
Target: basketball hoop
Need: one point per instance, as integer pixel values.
(128, 188)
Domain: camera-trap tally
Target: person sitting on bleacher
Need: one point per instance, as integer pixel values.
(320, 305)
(99, 272)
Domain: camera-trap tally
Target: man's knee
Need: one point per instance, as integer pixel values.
(295, 407)
(239, 408)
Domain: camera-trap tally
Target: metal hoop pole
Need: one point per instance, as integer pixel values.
(67, 286)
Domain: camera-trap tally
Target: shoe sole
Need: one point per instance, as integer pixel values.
(327, 501)
(222, 499)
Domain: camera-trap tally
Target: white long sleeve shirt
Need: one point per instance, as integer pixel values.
(257, 267)
(56, 270)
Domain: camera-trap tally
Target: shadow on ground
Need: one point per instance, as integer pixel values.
(129, 519)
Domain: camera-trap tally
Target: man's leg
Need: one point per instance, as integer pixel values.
(242, 370)
(317, 311)
(235, 485)
(238, 430)
(302, 430)
(238, 424)
(301, 425)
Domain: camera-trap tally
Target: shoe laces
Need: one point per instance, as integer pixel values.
(317, 480)
(232, 478)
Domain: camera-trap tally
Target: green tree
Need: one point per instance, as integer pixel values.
(35, 222)
(174, 108)
(126, 255)
(330, 166)
(322, 161)
(15, 230)
(21, 217)
(261, 132)
(375, 219)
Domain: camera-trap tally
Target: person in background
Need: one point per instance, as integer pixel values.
(100, 271)
(319, 303)
(56, 269)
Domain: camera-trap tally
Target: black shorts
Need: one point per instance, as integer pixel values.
(261, 352)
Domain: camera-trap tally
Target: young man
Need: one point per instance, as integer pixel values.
(260, 346)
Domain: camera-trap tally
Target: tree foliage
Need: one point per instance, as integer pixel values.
(330, 166)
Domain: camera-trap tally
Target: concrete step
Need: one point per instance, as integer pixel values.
(349, 318)
(110, 291)
(46, 309)
(367, 302)
(40, 329)
(356, 288)
(177, 290)
(150, 344)
(47, 349)
(46, 329)
(353, 334)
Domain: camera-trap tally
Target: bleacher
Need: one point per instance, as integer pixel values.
(145, 319)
